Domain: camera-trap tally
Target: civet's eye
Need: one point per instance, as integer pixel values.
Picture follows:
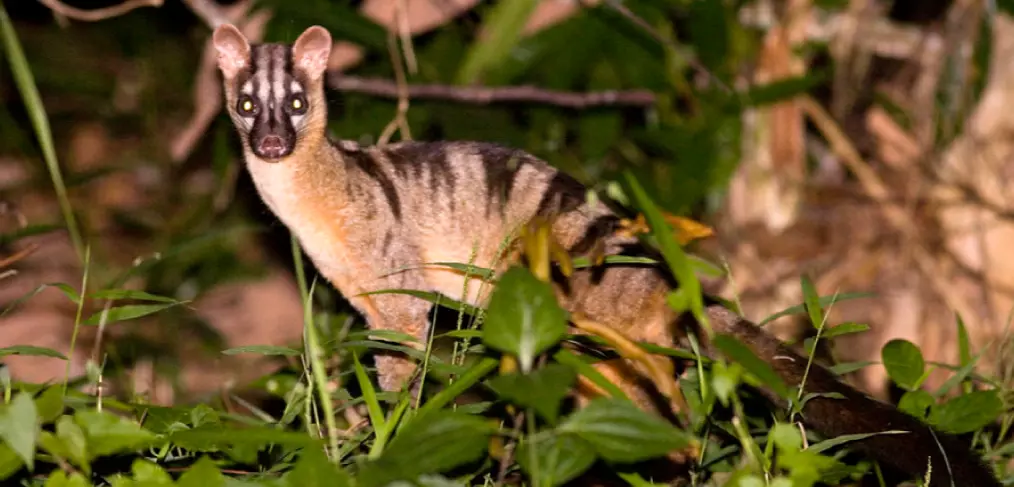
(297, 104)
(247, 105)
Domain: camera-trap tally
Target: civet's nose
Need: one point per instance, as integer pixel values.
(271, 147)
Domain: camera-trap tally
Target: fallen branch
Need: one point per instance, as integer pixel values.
(481, 96)
(99, 13)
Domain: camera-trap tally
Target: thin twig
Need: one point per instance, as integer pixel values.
(405, 35)
(484, 96)
(400, 120)
(99, 13)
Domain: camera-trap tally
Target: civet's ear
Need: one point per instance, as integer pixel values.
(311, 51)
(233, 50)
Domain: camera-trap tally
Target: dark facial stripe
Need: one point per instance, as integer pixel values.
(271, 88)
(287, 68)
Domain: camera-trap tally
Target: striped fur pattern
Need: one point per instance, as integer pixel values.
(364, 214)
(368, 217)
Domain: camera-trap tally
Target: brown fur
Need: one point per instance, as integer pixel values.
(363, 213)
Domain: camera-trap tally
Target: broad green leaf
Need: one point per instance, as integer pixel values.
(19, 427)
(107, 433)
(49, 404)
(268, 350)
(737, 351)
(786, 437)
(967, 412)
(149, 474)
(51, 444)
(916, 403)
(430, 443)
(620, 432)
(523, 318)
(59, 478)
(202, 414)
(32, 351)
(805, 467)
(904, 363)
(552, 459)
(541, 390)
(501, 28)
(725, 379)
(10, 462)
(126, 312)
(314, 470)
(72, 439)
(203, 473)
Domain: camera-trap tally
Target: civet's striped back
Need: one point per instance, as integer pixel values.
(368, 217)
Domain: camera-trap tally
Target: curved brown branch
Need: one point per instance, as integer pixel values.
(99, 13)
(481, 96)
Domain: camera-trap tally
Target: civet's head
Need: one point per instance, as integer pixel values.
(274, 92)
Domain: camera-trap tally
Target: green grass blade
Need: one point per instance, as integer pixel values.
(315, 350)
(679, 263)
(37, 112)
(469, 378)
(372, 403)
